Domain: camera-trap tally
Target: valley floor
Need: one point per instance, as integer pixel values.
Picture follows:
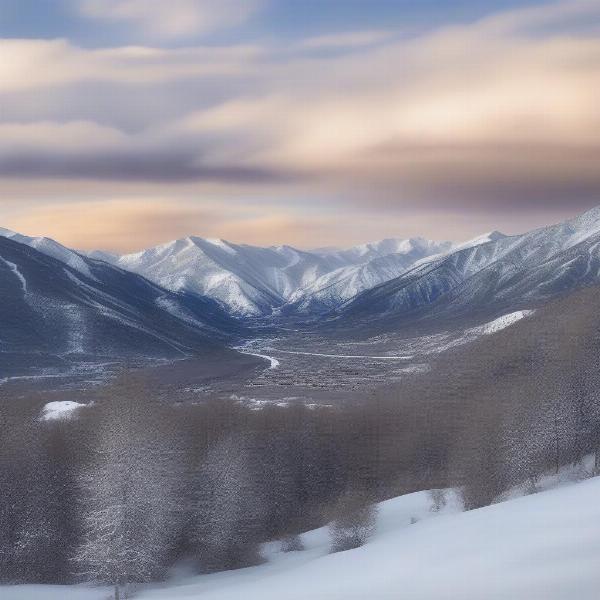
(540, 547)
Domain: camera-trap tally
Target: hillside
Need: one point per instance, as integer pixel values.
(253, 281)
(500, 275)
(54, 314)
(544, 547)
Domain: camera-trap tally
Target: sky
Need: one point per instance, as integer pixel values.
(128, 123)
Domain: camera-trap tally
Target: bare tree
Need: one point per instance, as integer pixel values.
(228, 509)
(438, 500)
(125, 500)
(354, 521)
(292, 543)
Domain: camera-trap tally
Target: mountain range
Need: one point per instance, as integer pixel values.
(506, 273)
(254, 282)
(192, 296)
(61, 312)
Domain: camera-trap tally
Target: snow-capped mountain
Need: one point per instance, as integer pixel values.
(254, 281)
(392, 278)
(52, 313)
(394, 258)
(251, 281)
(248, 280)
(505, 272)
(51, 248)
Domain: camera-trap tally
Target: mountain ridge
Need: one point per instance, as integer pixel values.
(515, 271)
(54, 314)
(253, 281)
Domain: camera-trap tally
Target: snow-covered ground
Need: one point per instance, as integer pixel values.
(503, 322)
(246, 349)
(52, 592)
(60, 410)
(339, 355)
(540, 547)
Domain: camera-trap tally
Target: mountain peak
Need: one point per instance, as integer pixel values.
(7, 232)
(490, 236)
(587, 220)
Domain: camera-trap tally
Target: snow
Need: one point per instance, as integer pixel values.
(254, 281)
(52, 592)
(442, 342)
(490, 236)
(544, 546)
(541, 547)
(244, 349)
(59, 410)
(504, 321)
(530, 266)
(362, 356)
(17, 274)
(51, 248)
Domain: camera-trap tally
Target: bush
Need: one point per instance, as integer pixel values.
(438, 500)
(354, 522)
(292, 543)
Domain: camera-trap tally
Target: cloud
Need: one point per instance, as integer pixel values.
(352, 39)
(498, 112)
(131, 224)
(86, 150)
(126, 225)
(33, 64)
(169, 19)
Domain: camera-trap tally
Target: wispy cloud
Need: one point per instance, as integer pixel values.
(168, 19)
(28, 65)
(351, 39)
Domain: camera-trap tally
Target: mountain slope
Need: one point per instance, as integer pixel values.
(541, 546)
(51, 312)
(51, 248)
(335, 288)
(506, 273)
(253, 281)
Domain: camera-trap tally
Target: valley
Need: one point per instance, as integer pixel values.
(475, 371)
(71, 318)
(299, 300)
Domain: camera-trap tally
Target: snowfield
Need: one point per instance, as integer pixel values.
(254, 281)
(60, 410)
(540, 547)
(504, 321)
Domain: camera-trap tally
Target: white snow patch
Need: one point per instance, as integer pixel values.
(13, 267)
(59, 410)
(504, 321)
(545, 546)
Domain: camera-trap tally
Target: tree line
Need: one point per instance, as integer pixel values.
(132, 484)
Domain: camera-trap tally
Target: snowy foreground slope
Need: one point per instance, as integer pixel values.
(540, 547)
